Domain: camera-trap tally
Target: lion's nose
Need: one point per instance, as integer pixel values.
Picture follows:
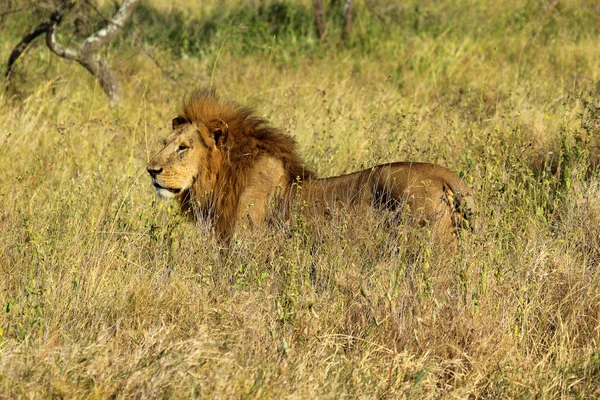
(153, 171)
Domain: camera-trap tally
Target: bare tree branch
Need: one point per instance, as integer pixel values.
(111, 30)
(57, 48)
(44, 27)
(20, 48)
(87, 53)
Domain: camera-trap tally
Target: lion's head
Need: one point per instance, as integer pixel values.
(190, 156)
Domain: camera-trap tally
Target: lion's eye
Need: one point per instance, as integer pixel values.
(182, 147)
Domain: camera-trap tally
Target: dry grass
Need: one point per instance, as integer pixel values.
(107, 292)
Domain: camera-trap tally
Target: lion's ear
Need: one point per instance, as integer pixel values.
(178, 121)
(219, 130)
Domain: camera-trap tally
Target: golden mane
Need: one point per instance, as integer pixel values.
(248, 139)
(249, 136)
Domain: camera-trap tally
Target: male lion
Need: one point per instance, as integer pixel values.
(226, 165)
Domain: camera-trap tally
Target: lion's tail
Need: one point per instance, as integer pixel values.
(462, 204)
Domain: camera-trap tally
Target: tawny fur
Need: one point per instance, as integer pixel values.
(227, 164)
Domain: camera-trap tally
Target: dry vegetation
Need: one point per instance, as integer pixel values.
(107, 292)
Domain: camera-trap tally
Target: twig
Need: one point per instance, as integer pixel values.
(93, 7)
(8, 12)
(164, 72)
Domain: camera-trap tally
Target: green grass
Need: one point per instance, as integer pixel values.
(106, 291)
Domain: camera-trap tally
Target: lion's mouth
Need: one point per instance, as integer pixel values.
(172, 190)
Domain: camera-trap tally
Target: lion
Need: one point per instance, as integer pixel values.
(226, 165)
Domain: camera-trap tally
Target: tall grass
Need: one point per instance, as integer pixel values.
(108, 292)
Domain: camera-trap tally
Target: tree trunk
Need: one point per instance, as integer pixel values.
(320, 18)
(105, 76)
(347, 12)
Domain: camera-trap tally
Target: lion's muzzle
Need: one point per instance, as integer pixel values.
(161, 191)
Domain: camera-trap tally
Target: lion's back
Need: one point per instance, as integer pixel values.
(432, 191)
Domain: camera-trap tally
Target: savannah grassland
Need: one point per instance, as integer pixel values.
(107, 292)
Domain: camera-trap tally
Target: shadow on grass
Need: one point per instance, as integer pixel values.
(185, 33)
